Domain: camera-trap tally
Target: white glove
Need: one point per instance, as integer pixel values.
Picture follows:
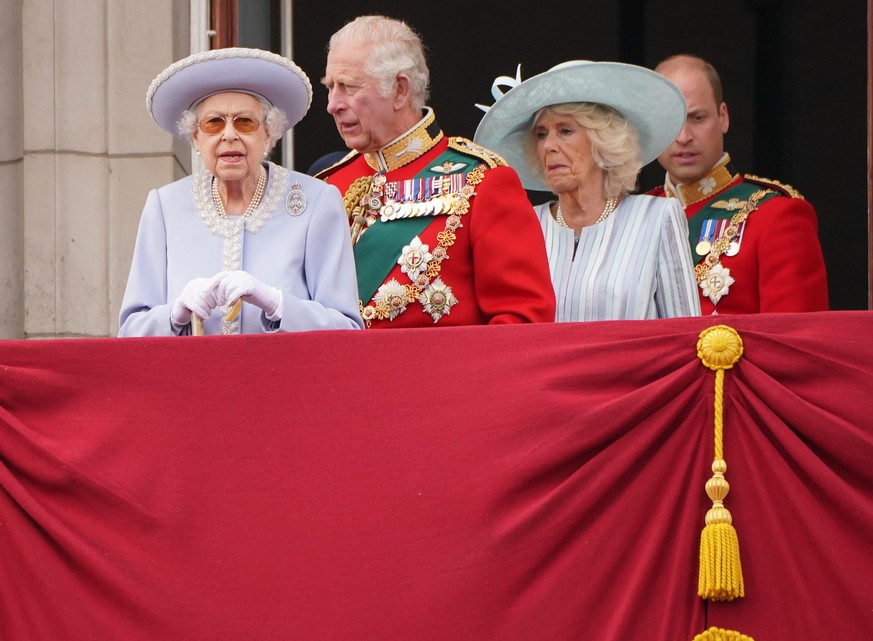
(197, 297)
(229, 286)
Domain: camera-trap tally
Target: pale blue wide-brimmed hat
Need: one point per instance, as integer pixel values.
(261, 73)
(653, 105)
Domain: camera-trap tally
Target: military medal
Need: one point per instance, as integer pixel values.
(388, 209)
(295, 203)
(720, 229)
(420, 196)
(372, 202)
(707, 234)
(735, 235)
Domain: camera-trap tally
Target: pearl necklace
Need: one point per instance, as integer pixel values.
(608, 208)
(253, 203)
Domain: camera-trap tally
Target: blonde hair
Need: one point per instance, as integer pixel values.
(615, 145)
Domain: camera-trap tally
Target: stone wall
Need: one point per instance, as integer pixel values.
(75, 176)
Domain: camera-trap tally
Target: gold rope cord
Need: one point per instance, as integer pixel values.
(721, 576)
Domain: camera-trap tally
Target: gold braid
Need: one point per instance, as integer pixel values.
(355, 194)
(353, 200)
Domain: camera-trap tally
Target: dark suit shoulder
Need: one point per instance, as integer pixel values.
(329, 163)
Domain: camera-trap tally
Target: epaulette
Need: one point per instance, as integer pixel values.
(470, 148)
(339, 163)
(769, 183)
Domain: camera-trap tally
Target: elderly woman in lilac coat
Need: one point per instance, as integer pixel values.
(243, 246)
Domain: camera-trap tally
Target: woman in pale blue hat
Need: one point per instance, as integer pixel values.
(244, 246)
(583, 130)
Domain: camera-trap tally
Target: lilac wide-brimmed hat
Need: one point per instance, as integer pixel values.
(653, 105)
(264, 74)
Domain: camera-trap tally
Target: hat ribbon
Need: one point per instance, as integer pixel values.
(502, 81)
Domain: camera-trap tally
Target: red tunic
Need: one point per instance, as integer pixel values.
(497, 267)
(779, 266)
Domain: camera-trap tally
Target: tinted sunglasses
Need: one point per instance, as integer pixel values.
(216, 124)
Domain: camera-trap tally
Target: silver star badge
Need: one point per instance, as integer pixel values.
(717, 283)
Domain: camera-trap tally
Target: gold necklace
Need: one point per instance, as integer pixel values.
(253, 203)
(608, 208)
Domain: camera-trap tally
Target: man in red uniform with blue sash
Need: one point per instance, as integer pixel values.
(443, 231)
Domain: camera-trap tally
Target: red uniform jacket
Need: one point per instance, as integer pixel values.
(495, 269)
(779, 266)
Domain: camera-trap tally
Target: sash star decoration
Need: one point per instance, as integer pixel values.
(437, 299)
(392, 298)
(717, 283)
(414, 258)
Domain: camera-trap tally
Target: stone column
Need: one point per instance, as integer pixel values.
(91, 153)
(11, 161)
(142, 36)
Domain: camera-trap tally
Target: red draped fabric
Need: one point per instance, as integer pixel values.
(517, 482)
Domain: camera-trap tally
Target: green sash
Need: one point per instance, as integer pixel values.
(377, 250)
(741, 192)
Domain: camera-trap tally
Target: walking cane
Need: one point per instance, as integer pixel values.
(197, 328)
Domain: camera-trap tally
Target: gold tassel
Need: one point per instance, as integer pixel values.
(721, 575)
(719, 634)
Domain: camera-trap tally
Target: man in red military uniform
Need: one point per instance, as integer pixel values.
(444, 233)
(756, 239)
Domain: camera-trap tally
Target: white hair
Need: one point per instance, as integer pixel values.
(394, 49)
